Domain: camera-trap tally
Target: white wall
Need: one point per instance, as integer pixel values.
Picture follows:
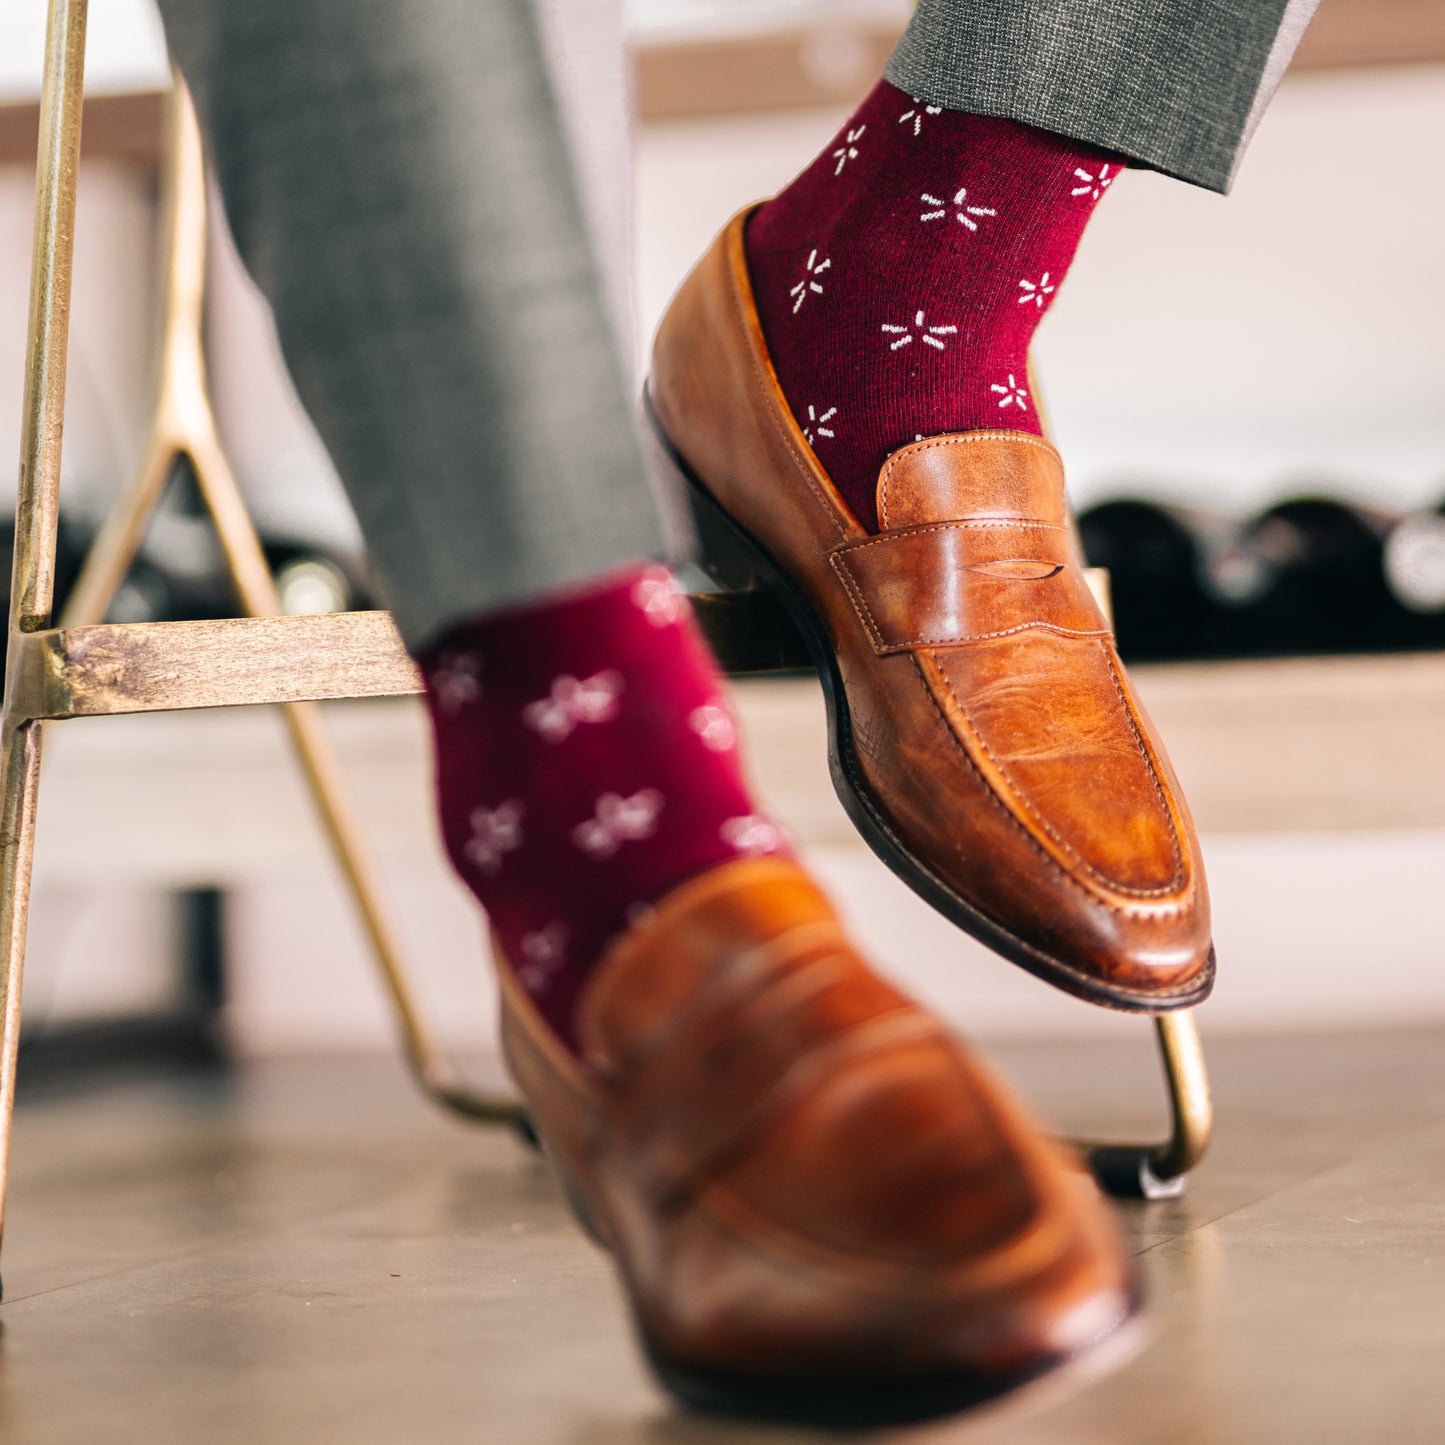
(125, 48)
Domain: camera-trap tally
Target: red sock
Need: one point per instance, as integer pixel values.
(901, 276)
(586, 763)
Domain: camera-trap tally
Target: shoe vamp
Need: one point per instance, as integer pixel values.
(901, 1160)
(1047, 720)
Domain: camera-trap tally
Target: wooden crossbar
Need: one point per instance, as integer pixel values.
(69, 672)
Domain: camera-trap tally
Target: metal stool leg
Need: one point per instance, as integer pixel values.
(1160, 1171)
(184, 427)
(37, 506)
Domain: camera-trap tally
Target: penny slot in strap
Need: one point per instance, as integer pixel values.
(930, 586)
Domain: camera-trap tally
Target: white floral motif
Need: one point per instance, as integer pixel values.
(751, 834)
(815, 427)
(617, 820)
(928, 335)
(810, 285)
(1012, 394)
(917, 113)
(544, 951)
(848, 151)
(457, 681)
(713, 723)
(658, 595)
(1037, 291)
(495, 833)
(965, 214)
(570, 703)
(1094, 185)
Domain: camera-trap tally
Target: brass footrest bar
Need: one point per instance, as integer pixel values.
(1160, 1171)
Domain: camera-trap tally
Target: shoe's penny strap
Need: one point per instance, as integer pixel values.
(954, 582)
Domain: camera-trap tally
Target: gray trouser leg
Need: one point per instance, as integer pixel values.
(397, 179)
(1176, 84)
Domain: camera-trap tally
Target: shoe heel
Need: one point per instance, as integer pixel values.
(715, 543)
(723, 552)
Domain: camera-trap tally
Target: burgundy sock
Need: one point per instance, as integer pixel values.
(586, 763)
(901, 276)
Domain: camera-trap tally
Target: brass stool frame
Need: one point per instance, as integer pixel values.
(87, 668)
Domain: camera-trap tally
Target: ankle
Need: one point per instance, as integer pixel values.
(857, 269)
(586, 763)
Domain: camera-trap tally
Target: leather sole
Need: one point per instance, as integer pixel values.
(738, 562)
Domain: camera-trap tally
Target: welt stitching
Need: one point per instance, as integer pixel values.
(1084, 866)
(1054, 627)
(1148, 765)
(966, 525)
(860, 603)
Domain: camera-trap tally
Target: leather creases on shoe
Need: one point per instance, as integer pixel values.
(985, 737)
(807, 1183)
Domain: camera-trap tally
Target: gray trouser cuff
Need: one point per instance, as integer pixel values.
(1178, 85)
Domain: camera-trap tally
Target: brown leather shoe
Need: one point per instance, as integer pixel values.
(984, 736)
(820, 1206)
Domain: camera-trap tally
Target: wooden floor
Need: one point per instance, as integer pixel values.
(302, 1252)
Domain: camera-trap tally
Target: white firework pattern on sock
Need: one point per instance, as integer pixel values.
(917, 113)
(544, 951)
(848, 151)
(495, 833)
(660, 597)
(751, 834)
(964, 214)
(810, 285)
(919, 331)
(572, 702)
(713, 723)
(816, 424)
(1012, 394)
(617, 820)
(1094, 184)
(457, 680)
(1037, 291)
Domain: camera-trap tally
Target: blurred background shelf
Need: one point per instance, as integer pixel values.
(1277, 745)
(1319, 786)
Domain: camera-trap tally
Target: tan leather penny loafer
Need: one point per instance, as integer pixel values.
(984, 736)
(820, 1206)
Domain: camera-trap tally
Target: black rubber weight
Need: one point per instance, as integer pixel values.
(733, 558)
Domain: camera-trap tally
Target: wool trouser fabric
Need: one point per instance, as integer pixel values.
(398, 180)
(1178, 85)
